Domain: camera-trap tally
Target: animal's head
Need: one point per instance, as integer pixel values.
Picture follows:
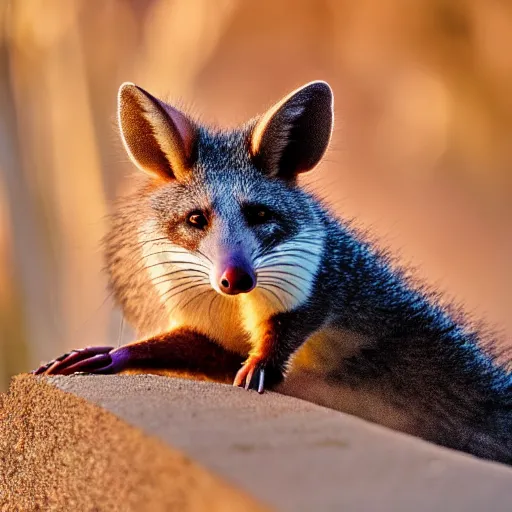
(226, 210)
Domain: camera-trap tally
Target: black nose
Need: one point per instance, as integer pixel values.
(236, 280)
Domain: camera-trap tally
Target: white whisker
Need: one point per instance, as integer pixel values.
(290, 268)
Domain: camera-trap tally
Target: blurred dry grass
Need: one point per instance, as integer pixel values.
(422, 151)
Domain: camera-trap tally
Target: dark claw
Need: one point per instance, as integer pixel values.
(251, 376)
(258, 380)
(90, 360)
(263, 377)
(44, 367)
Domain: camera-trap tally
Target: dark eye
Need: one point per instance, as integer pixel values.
(257, 214)
(197, 219)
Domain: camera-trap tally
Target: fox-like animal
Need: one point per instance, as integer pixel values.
(228, 268)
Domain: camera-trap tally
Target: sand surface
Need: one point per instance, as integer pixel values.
(240, 448)
(60, 453)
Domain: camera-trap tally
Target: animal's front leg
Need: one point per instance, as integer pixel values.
(89, 359)
(182, 349)
(252, 373)
(265, 365)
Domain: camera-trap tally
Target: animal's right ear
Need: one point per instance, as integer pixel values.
(293, 135)
(159, 139)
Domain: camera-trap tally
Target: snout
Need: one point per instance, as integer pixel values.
(237, 279)
(234, 272)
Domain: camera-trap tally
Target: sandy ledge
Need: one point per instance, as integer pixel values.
(145, 442)
(60, 452)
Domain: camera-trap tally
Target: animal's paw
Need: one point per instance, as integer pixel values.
(252, 374)
(87, 360)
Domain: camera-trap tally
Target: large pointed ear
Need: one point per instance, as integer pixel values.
(293, 135)
(159, 139)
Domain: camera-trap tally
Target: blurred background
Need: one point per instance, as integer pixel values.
(422, 150)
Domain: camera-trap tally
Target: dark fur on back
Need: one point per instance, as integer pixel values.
(421, 359)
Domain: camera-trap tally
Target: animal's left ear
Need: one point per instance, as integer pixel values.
(293, 135)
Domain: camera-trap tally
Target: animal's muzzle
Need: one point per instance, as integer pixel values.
(236, 279)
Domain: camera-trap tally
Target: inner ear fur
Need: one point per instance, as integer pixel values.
(159, 139)
(293, 135)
